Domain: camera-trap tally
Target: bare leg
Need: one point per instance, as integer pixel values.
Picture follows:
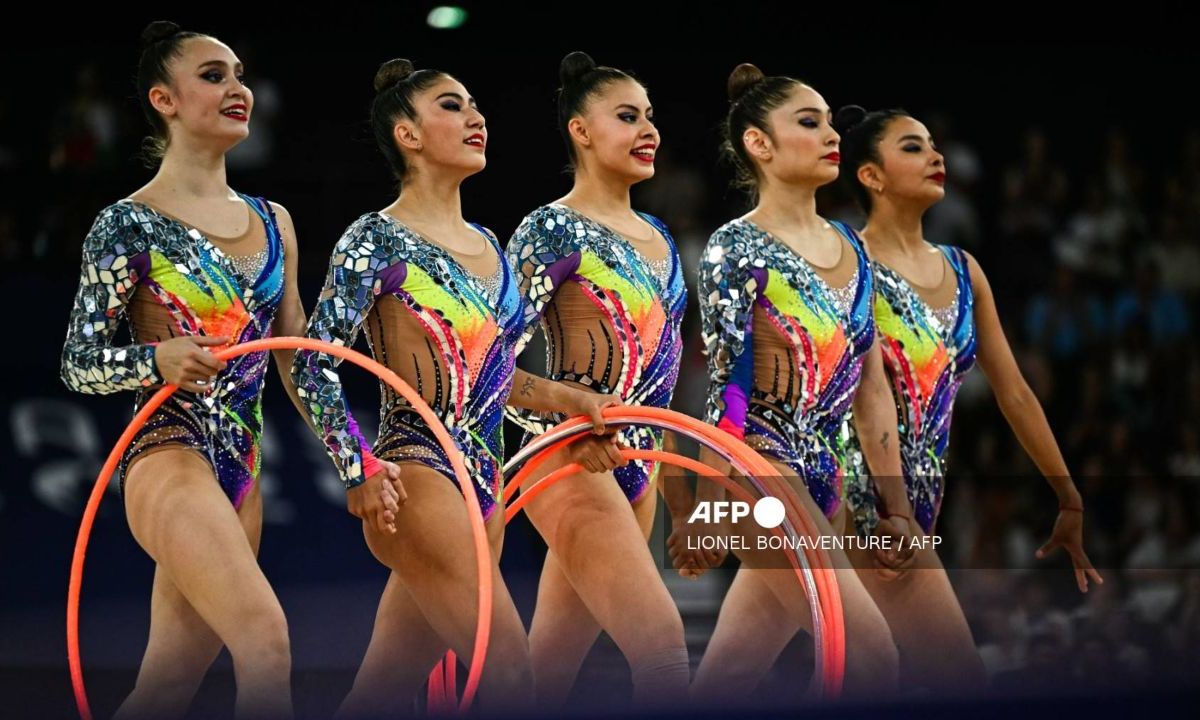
(563, 629)
(404, 649)
(871, 656)
(937, 650)
(752, 629)
(600, 548)
(433, 556)
(206, 592)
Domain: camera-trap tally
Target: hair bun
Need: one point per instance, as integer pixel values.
(159, 30)
(392, 72)
(847, 118)
(574, 66)
(743, 77)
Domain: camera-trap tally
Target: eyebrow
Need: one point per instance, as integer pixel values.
(454, 95)
(818, 111)
(635, 108)
(219, 63)
(918, 138)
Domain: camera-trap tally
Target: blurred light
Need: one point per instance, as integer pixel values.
(446, 17)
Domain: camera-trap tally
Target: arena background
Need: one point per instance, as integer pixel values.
(1074, 176)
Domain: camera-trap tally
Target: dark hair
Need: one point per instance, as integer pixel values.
(162, 42)
(861, 133)
(396, 82)
(752, 96)
(581, 79)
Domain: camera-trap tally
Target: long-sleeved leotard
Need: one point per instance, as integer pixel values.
(785, 349)
(172, 280)
(448, 330)
(610, 316)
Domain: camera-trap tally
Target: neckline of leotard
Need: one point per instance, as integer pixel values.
(456, 257)
(813, 268)
(843, 240)
(948, 274)
(209, 235)
(633, 245)
(249, 283)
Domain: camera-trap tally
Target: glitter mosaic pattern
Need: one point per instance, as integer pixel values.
(133, 248)
(926, 352)
(747, 277)
(640, 313)
(472, 336)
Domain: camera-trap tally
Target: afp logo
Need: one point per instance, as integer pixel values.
(768, 511)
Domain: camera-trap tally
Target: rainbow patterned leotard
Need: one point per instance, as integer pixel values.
(447, 332)
(785, 350)
(926, 352)
(181, 284)
(610, 316)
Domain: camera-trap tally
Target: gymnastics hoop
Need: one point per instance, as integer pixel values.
(820, 587)
(482, 549)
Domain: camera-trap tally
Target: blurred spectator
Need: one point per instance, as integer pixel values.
(1091, 241)
(86, 129)
(1161, 311)
(1035, 190)
(1045, 669)
(1177, 256)
(1185, 461)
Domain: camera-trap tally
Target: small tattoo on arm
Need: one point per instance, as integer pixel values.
(885, 440)
(527, 387)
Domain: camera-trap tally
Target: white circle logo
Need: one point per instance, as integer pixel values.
(768, 512)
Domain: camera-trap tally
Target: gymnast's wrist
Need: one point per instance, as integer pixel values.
(893, 498)
(680, 501)
(352, 479)
(1069, 497)
(581, 401)
(156, 375)
(371, 465)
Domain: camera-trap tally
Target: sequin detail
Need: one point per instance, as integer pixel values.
(249, 267)
(470, 337)
(491, 283)
(639, 315)
(843, 297)
(926, 353)
(661, 269)
(792, 412)
(946, 315)
(133, 248)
